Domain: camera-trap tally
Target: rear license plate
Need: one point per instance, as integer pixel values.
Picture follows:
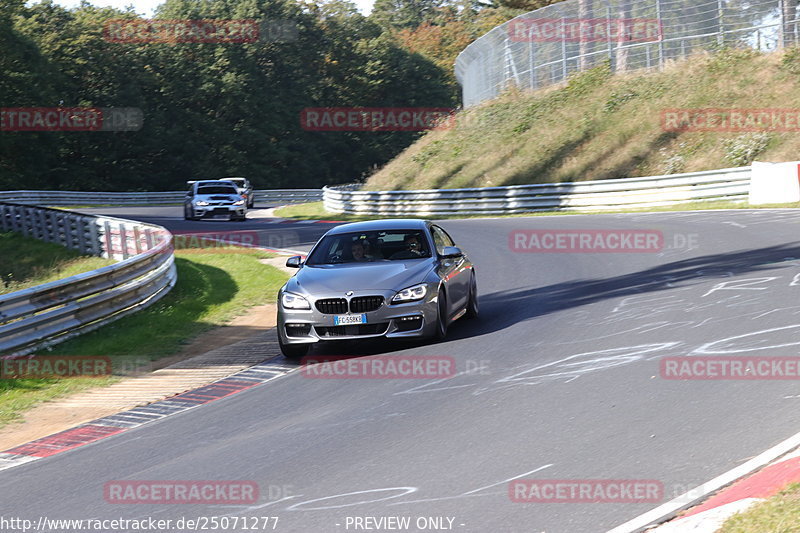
(343, 320)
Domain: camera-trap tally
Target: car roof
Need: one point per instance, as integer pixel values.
(233, 178)
(379, 225)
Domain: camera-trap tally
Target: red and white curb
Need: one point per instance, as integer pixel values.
(115, 424)
(709, 515)
(713, 502)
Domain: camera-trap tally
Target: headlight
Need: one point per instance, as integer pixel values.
(238, 202)
(201, 203)
(417, 292)
(294, 301)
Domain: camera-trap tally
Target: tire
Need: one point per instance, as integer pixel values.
(293, 351)
(186, 215)
(472, 302)
(441, 317)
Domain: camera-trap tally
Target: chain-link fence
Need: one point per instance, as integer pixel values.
(545, 46)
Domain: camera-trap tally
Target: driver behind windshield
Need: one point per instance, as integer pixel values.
(357, 251)
(414, 248)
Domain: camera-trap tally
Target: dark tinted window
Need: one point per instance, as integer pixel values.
(217, 189)
(392, 245)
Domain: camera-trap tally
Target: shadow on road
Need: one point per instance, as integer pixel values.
(502, 309)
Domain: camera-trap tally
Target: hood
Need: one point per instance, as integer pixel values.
(382, 275)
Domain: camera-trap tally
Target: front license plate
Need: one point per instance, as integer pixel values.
(343, 320)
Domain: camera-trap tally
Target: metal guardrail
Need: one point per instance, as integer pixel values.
(40, 316)
(538, 49)
(726, 184)
(67, 198)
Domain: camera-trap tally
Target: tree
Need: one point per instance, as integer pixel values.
(398, 14)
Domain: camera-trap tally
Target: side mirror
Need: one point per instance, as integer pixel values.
(295, 261)
(452, 252)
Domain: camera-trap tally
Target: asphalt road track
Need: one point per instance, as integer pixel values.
(569, 345)
(257, 229)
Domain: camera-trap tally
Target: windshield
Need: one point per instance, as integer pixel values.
(216, 189)
(392, 245)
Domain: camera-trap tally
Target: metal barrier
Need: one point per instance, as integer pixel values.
(726, 184)
(47, 314)
(66, 198)
(545, 46)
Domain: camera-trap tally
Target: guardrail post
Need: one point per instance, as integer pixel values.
(148, 238)
(137, 240)
(123, 241)
(109, 251)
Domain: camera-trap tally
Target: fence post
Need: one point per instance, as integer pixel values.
(660, 35)
(109, 253)
(563, 54)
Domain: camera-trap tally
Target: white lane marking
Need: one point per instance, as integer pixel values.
(510, 479)
(746, 287)
(408, 490)
(472, 493)
(705, 348)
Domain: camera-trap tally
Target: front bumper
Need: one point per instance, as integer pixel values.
(406, 320)
(219, 210)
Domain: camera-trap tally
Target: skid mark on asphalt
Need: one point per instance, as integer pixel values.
(573, 366)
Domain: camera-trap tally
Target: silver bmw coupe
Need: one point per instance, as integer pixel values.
(399, 278)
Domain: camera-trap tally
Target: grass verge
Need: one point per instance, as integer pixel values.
(778, 514)
(28, 262)
(214, 285)
(601, 125)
